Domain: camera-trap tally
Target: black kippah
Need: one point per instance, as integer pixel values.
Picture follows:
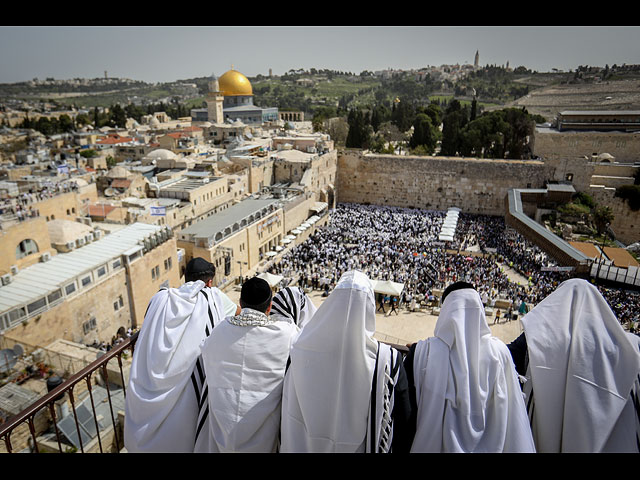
(456, 286)
(198, 265)
(255, 291)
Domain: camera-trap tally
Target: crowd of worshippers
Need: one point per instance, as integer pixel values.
(401, 245)
(279, 374)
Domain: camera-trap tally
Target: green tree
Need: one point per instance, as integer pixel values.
(602, 217)
(117, 117)
(402, 115)
(454, 120)
(359, 135)
(424, 133)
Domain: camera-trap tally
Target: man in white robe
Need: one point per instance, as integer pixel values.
(162, 396)
(466, 387)
(341, 391)
(582, 373)
(243, 365)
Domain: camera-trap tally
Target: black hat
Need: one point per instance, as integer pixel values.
(255, 292)
(199, 265)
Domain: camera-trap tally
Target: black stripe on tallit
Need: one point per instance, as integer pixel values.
(281, 307)
(636, 404)
(530, 407)
(202, 398)
(373, 402)
(294, 306)
(202, 421)
(207, 331)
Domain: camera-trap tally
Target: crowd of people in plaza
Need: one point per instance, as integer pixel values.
(401, 245)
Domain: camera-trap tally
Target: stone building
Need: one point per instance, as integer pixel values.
(86, 295)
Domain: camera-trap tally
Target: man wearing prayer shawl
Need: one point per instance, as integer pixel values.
(466, 387)
(243, 365)
(344, 391)
(161, 405)
(582, 373)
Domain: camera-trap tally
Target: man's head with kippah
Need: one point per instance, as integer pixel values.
(256, 295)
(199, 269)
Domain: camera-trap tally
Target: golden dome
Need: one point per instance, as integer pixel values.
(234, 83)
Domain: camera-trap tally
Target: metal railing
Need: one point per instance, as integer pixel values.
(50, 402)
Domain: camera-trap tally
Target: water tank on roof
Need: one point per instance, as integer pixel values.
(53, 382)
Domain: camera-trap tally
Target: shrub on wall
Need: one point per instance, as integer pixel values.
(630, 193)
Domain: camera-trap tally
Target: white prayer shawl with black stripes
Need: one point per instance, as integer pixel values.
(583, 374)
(467, 390)
(161, 402)
(338, 391)
(293, 304)
(243, 363)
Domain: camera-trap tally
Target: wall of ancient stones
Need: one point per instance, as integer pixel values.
(435, 183)
(549, 143)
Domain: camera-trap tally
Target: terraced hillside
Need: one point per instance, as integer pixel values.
(608, 95)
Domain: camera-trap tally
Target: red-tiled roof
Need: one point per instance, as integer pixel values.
(100, 210)
(120, 183)
(113, 140)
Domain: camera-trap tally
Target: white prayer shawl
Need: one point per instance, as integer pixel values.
(327, 404)
(293, 304)
(467, 390)
(161, 404)
(583, 370)
(244, 367)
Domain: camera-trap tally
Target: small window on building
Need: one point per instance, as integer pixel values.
(69, 289)
(89, 325)
(86, 280)
(155, 272)
(116, 264)
(25, 248)
(102, 270)
(37, 305)
(54, 296)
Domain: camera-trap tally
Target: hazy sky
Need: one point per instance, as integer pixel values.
(163, 54)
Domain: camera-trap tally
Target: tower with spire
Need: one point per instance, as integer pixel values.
(477, 59)
(215, 100)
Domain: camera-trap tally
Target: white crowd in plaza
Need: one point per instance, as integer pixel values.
(401, 245)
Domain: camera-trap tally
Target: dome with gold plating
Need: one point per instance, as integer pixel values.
(234, 83)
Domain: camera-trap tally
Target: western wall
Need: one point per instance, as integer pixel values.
(474, 185)
(435, 183)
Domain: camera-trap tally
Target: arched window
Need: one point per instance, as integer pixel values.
(26, 247)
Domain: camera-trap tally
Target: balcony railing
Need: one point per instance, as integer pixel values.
(85, 430)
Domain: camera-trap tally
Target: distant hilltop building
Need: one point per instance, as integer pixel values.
(230, 98)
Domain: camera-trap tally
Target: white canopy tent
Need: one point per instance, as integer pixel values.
(271, 279)
(387, 287)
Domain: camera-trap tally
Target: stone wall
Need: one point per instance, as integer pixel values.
(626, 222)
(549, 143)
(435, 183)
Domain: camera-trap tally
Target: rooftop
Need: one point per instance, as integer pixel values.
(232, 219)
(41, 280)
